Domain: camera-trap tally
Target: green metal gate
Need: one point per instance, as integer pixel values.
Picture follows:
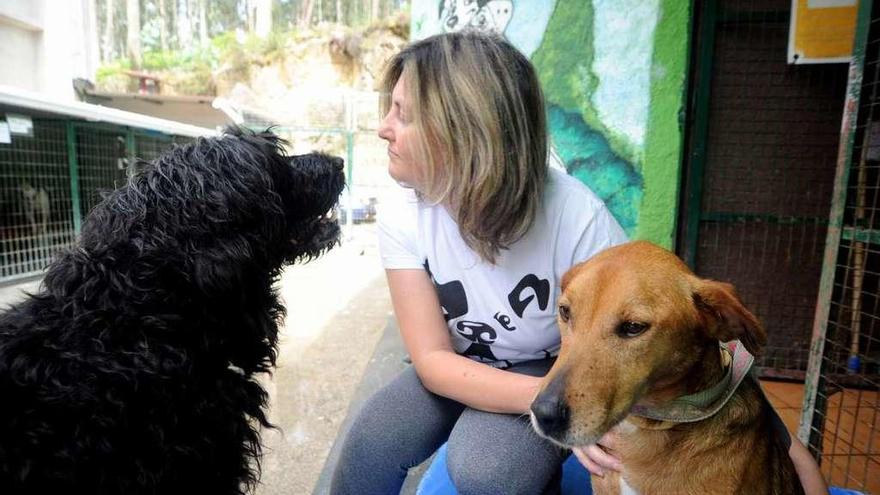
(780, 202)
(840, 420)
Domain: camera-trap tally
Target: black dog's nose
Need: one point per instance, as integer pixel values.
(339, 163)
(551, 413)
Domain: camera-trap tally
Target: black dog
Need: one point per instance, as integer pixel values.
(133, 370)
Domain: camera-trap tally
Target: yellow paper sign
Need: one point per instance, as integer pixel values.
(821, 31)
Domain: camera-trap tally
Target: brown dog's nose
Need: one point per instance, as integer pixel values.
(551, 413)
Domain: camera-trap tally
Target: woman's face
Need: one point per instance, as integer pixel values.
(398, 129)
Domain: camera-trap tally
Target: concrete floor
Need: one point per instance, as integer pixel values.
(338, 307)
(337, 310)
(9, 294)
(850, 435)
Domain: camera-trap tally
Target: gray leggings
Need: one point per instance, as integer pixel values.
(403, 424)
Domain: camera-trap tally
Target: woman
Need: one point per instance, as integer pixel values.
(473, 259)
(473, 255)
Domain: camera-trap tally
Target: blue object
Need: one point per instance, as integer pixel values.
(575, 479)
(436, 481)
(843, 491)
(853, 364)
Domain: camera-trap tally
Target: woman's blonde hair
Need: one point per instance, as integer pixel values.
(476, 103)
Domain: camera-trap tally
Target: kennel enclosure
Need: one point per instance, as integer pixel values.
(779, 195)
(54, 168)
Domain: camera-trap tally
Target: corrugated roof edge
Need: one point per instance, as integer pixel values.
(20, 98)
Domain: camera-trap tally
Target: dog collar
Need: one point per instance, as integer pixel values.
(705, 403)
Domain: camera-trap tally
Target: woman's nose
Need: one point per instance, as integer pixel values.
(385, 130)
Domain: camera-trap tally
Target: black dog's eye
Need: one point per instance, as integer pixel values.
(564, 312)
(629, 329)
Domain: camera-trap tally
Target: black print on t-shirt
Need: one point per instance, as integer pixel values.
(504, 320)
(540, 287)
(453, 300)
(454, 304)
(481, 336)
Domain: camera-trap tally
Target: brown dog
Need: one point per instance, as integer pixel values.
(641, 332)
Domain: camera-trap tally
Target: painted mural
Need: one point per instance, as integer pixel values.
(594, 59)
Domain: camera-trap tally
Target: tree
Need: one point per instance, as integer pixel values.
(222, 16)
(263, 23)
(175, 15)
(108, 38)
(203, 22)
(163, 26)
(133, 37)
(184, 28)
(306, 13)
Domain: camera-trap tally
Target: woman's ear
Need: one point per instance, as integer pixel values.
(724, 316)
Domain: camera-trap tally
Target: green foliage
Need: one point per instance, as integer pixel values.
(192, 71)
(268, 50)
(111, 77)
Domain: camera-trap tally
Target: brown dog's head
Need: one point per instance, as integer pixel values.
(637, 326)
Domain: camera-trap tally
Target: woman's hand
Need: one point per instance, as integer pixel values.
(598, 458)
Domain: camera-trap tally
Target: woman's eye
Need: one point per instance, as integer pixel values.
(630, 329)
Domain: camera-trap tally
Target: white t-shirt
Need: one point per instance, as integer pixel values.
(504, 313)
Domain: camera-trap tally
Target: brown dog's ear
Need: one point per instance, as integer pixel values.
(725, 318)
(570, 274)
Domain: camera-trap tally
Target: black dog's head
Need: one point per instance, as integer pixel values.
(304, 187)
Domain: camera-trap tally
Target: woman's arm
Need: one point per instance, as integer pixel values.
(441, 370)
(807, 469)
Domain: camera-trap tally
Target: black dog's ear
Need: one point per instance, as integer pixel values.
(216, 278)
(724, 316)
(223, 268)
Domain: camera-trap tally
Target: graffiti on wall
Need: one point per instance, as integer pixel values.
(594, 61)
(490, 16)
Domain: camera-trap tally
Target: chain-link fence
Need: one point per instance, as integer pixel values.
(763, 148)
(51, 178)
(35, 211)
(770, 207)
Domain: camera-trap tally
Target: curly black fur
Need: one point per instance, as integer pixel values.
(133, 370)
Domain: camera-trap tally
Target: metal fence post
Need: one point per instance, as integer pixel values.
(131, 151)
(696, 169)
(73, 167)
(350, 128)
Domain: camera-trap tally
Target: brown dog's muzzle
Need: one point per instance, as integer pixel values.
(550, 412)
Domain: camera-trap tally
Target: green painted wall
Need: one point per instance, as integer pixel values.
(664, 142)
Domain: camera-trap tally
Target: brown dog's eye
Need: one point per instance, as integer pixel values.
(629, 329)
(564, 312)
